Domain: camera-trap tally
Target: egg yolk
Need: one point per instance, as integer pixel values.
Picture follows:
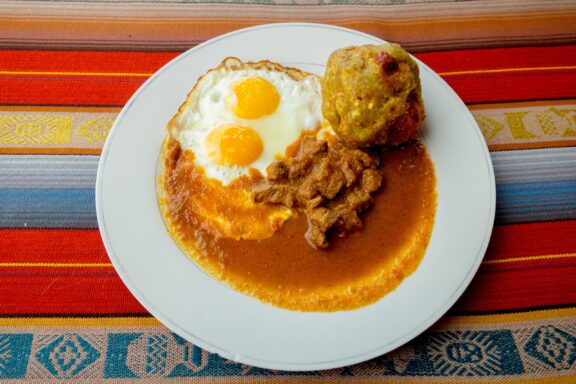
(255, 98)
(233, 145)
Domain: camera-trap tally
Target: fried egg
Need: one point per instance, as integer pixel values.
(242, 116)
(237, 120)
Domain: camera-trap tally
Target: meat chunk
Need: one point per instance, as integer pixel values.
(330, 183)
(371, 180)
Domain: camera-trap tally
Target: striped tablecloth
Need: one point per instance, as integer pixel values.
(66, 69)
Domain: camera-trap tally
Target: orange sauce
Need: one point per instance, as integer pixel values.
(285, 271)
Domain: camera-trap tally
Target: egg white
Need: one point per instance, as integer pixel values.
(299, 110)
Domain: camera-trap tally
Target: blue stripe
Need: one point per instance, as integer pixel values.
(59, 195)
(57, 191)
(51, 222)
(535, 199)
(523, 217)
(53, 208)
(543, 208)
(536, 188)
(541, 201)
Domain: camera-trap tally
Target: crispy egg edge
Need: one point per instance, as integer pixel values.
(234, 64)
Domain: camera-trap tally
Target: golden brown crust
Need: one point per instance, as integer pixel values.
(370, 92)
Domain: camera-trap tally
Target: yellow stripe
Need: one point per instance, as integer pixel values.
(128, 74)
(528, 145)
(106, 74)
(58, 265)
(529, 258)
(109, 265)
(519, 104)
(541, 314)
(66, 108)
(128, 321)
(79, 321)
(503, 70)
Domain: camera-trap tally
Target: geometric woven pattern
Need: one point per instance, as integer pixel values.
(150, 353)
(96, 130)
(469, 354)
(54, 131)
(67, 356)
(14, 355)
(552, 346)
(32, 129)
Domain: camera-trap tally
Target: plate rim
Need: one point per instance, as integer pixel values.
(269, 364)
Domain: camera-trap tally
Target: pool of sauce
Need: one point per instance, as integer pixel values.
(285, 271)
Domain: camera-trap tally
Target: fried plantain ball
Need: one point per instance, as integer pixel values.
(371, 95)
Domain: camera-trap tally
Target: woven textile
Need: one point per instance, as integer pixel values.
(68, 67)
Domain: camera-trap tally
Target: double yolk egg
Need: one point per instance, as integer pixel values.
(229, 145)
(239, 118)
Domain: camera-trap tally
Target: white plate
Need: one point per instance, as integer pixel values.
(238, 327)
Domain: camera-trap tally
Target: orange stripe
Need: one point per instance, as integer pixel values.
(529, 258)
(505, 70)
(394, 30)
(109, 265)
(92, 74)
(136, 74)
(532, 145)
(180, 29)
(56, 265)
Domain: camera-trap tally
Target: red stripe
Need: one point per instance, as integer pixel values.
(533, 239)
(473, 88)
(444, 61)
(65, 90)
(496, 58)
(103, 92)
(51, 245)
(83, 61)
(541, 284)
(66, 295)
(529, 86)
(529, 283)
(76, 290)
(116, 92)
(80, 246)
(503, 286)
(507, 86)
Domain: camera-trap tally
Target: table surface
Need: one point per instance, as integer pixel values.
(67, 68)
